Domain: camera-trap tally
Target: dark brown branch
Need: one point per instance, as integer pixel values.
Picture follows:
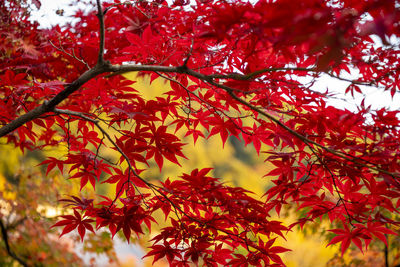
(239, 76)
(189, 55)
(21, 120)
(7, 245)
(75, 85)
(100, 16)
(386, 251)
(48, 106)
(16, 223)
(372, 83)
(121, 69)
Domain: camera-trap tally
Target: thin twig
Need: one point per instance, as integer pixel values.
(61, 49)
(189, 54)
(239, 76)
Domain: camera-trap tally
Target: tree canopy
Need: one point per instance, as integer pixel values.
(232, 69)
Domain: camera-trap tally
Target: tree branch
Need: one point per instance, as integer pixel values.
(100, 16)
(386, 251)
(9, 251)
(61, 49)
(239, 76)
(51, 104)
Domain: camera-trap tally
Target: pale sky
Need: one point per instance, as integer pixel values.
(47, 14)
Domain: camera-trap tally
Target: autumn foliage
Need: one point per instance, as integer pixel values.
(234, 69)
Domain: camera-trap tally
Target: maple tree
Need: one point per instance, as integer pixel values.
(232, 69)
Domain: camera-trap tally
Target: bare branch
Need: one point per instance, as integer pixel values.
(61, 49)
(7, 245)
(239, 76)
(100, 16)
(189, 54)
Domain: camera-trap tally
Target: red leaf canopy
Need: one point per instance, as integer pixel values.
(235, 70)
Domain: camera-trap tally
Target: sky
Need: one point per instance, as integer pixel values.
(47, 14)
